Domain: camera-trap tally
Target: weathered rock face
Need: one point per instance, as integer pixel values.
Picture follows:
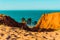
(6, 20)
(49, 21)
(24, 26)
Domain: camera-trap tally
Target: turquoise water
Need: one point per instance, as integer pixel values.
(18, 14)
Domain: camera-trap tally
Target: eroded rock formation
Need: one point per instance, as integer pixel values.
(49, 21)
(6, 20)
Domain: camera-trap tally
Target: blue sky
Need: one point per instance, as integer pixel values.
(29, 4)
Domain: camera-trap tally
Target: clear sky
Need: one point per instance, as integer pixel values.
(29, 4)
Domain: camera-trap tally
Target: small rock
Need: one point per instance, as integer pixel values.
(8, 37)
(13, 39)
(2, 34)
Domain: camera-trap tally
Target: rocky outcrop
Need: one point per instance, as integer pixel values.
(6, 20)
(24, 26)
(49, 21)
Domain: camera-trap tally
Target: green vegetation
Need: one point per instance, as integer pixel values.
(23, 20)
(28, 21)
(35, 22)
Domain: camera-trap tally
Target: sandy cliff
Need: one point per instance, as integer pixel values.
(49, 21)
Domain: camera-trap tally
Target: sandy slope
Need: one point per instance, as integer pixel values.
(49, 21)
(10, 33)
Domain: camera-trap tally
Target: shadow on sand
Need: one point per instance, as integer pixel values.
(40, 30)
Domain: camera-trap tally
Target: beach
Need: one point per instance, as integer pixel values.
(29, 20)
(15, 33)
(12, 30)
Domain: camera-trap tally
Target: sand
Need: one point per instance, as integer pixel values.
(49, 21)
(14, 33)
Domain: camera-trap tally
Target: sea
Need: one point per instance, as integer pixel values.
(18, 14)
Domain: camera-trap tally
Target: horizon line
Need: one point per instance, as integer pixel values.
(23, 10)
